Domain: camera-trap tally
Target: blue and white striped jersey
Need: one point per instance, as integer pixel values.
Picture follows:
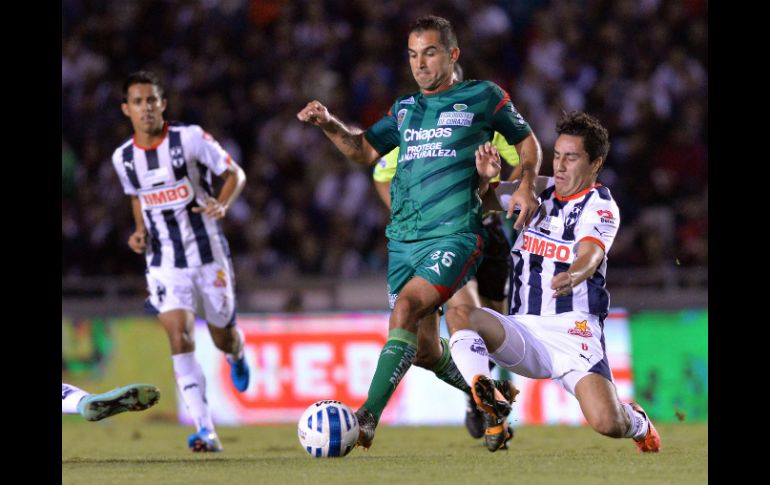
(548, 247)
(170, 178)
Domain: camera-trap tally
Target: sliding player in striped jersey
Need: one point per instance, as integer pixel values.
(166, 169)
(556, 322)
(435, 235)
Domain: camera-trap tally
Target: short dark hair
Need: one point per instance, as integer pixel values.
(141, 77)
(596, 139)
(440, 25)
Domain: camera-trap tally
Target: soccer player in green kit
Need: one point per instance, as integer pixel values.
(435, 237)
(488, 289)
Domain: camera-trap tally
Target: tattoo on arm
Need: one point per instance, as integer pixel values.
(353, 141)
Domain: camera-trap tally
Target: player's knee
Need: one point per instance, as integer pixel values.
(405, 315)
(459, 318)
(609, 425)
(181, 342)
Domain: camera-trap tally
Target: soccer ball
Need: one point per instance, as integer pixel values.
(328, 428)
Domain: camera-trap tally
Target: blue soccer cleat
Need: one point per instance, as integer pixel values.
(133, 397)
(204, 441)
(239, 373)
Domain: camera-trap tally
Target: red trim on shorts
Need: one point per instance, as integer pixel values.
(447, 293)
(444, 291)
(157, 143)
(598, 242)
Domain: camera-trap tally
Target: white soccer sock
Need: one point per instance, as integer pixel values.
(192, 387)
(469, 352)
(239, 354)
(639, 424)
(70, 397)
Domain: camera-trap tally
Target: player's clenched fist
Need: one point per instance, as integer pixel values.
(314, 113)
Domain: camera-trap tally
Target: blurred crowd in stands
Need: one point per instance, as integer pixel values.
(243, 68)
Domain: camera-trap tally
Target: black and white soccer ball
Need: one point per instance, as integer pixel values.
(328, 429)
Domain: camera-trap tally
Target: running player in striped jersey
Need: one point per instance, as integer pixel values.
(556, 321)
(488, 287)
(446, 161)
(166, 170)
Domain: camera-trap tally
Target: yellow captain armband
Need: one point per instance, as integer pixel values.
(507, 151)
(385, 168)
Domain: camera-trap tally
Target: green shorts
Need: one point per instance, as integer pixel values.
(446, 262)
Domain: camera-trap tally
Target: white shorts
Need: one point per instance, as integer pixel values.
(564, 347)
(208, 291)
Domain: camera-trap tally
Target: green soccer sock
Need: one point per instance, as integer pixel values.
(446, 370)
(396, 358)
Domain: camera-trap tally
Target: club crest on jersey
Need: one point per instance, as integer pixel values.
(573, 216)
(221, 281)
(460, 107)
(409, 100)
(400, 117)
(177, 156)
(177, 195)
(455, 118)
(581, 330)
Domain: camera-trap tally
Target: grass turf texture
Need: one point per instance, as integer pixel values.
(133, 449)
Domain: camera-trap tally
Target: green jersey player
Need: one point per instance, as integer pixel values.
(488, 287)
(445, 164)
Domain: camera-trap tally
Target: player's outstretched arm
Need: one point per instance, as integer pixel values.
(530, 156)
(590, 256)
(350, 142)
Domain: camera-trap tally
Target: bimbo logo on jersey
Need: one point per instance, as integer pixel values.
(545, 248)
(179, 194)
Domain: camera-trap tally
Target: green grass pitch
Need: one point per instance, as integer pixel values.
(133, 449)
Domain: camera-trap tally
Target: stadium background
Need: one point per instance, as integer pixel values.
(308, 232)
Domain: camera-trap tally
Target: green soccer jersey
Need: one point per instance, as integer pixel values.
(435, 189)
